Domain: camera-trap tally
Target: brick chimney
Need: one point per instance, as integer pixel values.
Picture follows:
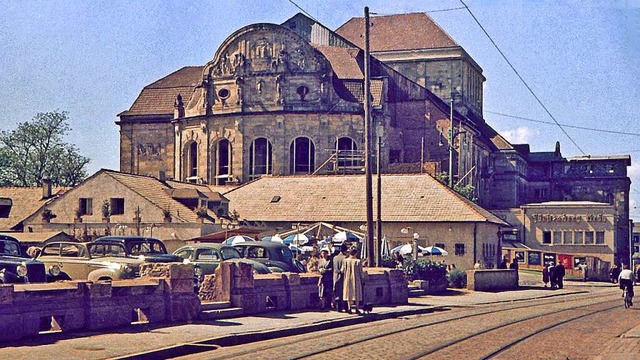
(46, 188)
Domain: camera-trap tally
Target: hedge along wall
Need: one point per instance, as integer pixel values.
(290, 291)
(26, 310)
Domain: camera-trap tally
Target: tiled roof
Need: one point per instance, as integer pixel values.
(158, 97)
(213, 192)
(410, 198)
(397, 32)
(344, 61)
(25, 202)
(156, 192)
(31, 237)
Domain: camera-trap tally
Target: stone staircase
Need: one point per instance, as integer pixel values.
(215, 310)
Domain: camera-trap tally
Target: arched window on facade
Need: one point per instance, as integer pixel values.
(260, 158)
(224, 157)
(302, 156)
(348, 155)
(192, 162)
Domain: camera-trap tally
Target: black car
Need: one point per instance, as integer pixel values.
(16, 267)
(206, 257)
(144, 248)
(276, 256)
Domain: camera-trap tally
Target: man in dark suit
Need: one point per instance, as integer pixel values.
(560, 272)
(338, 280)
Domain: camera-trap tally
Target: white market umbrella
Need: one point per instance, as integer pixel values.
(343, 236)
(237, 239)
(384, 247)
(275, 238)
(406, 249)
(297, 239)
(436, 251)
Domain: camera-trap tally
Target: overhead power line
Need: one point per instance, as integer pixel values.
(522, 79)
(565, 125)
(303, 10)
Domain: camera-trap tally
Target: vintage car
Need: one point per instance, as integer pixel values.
(16, 267)
(276, 256)
(89, 261)
(143, 248)
(206, 257)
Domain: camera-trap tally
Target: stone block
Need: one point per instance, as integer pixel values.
(293, 279)
(6, 294)
(100, 290)
(180, 285)
(243, 275)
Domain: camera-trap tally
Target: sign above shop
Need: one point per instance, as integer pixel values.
(547, 218)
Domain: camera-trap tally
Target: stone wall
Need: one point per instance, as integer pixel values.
(491, 280)
(289, 291)
(26, 310)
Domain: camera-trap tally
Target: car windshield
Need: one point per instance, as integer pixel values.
(9, 247)
(145, 247)
(230, 253)
(286, 254)
(101, 250)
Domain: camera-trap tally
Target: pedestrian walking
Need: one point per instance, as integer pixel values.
(312, 264)
(552, 275)
(514, 266)
(338, 278)
(559, 271)
(545, 275)
(352, 287)
(613, 273)
(325, 282)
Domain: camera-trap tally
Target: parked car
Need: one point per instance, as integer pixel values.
(277, 257)
(89, 261)
(206, 257)
(16, 267)
(143, 248)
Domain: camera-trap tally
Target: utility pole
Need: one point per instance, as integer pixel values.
(379, 203)
(367, 139)
(451, 145)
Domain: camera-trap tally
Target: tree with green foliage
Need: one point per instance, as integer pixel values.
(36, 150)
(464, 190)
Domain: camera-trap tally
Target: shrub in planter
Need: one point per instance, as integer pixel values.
(457, 278)
(388, 262)
(424, 269)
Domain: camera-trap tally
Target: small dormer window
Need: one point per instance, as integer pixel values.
(302, 91)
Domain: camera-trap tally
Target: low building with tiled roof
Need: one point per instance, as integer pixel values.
(112, 202)
(19, 203)
(439, 215)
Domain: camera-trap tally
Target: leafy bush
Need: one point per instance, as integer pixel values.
(457, 278)
(424, 269)
(387, 262)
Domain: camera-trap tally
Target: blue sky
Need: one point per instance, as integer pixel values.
(92, 58)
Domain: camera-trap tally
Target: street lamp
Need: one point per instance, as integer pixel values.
(414, 244)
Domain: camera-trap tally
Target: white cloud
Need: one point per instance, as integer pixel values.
(521, 135)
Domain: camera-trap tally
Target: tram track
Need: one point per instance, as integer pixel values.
(352, 337)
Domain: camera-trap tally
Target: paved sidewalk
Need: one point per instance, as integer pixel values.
(143, 338)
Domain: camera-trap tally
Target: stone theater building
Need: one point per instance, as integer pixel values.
(287, 99)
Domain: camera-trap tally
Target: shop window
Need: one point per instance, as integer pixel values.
(600, 237)
(85, 205)
(567, 237)
(578, 237)
(440, 245)
(116, 206)
(459, 249)
(557, 237)
(546, 237)
(588, 237)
